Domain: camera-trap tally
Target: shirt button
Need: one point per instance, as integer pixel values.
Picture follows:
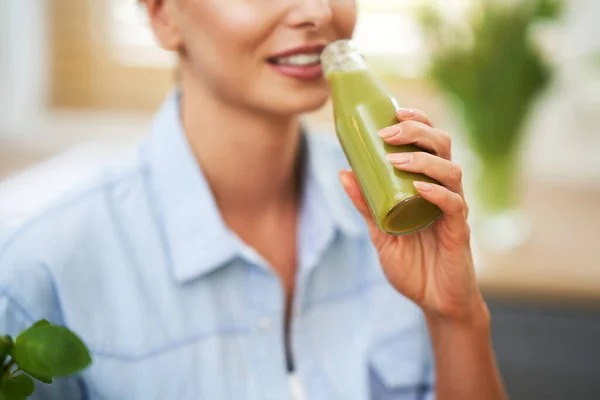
(264, 324)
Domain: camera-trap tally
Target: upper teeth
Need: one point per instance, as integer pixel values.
(299, 59)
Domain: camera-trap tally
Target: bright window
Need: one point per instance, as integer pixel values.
(131, 40)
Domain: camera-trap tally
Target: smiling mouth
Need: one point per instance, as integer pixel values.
(297, 60)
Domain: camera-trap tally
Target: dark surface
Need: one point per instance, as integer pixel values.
(547, 351)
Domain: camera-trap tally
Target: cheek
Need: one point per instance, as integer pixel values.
(224, 45)
(344, 16)
(226, 27)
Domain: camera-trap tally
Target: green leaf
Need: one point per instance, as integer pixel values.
(41, 322)
(41, 378)
(17, 388)
(6, 345)
(550, 8)
(49, 350)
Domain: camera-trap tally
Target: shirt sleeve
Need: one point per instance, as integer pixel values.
(19, 309)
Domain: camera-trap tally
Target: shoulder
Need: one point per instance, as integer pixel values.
(68, 233)
(81, 210)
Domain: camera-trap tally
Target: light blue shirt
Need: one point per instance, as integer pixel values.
(173, 305)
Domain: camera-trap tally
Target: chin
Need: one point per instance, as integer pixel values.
(300, 102)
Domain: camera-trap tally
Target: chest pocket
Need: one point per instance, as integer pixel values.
(400, 368)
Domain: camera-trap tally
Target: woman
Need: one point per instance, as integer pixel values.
(221, 259)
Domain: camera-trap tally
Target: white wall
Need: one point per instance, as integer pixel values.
(3, 56)
(23, 65)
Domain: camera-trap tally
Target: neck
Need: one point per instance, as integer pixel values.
(249, 159)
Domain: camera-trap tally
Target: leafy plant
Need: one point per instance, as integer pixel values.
(43, 351)
(491, 71)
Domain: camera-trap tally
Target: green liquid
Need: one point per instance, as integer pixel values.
(362, 107)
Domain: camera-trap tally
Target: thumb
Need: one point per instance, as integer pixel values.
(352, 188)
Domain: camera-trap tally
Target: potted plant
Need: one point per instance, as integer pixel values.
(43, 352)
(492, 71)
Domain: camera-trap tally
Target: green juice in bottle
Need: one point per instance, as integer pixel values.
(362, 106)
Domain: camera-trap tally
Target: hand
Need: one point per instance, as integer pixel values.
(432, 267)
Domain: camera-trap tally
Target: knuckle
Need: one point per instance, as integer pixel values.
(423, 116)
(458, 204)
(409, 126)
(456, 172)
(445, 138)
(467, 231)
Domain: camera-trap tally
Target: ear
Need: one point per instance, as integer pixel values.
(163, 18)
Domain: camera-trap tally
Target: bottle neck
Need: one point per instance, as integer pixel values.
(342, 56)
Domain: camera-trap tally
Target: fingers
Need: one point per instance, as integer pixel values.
(407, 114)
(452, 205)
(446, 172)
(353, 191)
(420, 134)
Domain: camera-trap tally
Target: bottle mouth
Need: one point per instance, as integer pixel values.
(339, 47)
(341, 55)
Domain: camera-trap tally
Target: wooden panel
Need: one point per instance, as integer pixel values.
(561, 260)
(83, 73)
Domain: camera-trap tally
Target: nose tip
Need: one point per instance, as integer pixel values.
(315, 13)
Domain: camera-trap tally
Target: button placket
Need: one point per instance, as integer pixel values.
(265, 324)
(265, 309)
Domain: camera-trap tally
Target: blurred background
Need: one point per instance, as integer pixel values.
(517, 83)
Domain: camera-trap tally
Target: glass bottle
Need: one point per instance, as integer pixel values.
(363, 106)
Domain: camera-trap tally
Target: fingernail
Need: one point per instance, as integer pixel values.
(399, 158)
(423, 186)
(344, 179)
(390, 131)
(406, 113)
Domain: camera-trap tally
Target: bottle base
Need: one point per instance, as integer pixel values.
(410, 216)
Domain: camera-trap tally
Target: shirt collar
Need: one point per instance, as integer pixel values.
(325, 160)
(196, 236)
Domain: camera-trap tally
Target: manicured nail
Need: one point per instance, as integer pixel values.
(406, 113)
(399, 158)
(344, 179)
(423, 186)
(390, 131)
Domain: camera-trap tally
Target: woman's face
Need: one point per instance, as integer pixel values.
(258, 54)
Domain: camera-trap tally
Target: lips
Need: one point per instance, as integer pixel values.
(302, 62)
(304, 73)
(311, 48)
